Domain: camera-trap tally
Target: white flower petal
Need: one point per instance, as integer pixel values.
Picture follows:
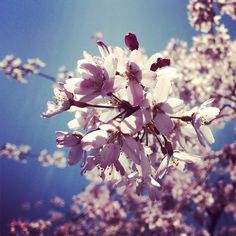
(186, 157)
(94, 140)
(161, 90)
(207, 134)
(110, 65)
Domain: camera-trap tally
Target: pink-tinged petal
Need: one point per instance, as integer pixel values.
(161, 171)
(65, 139)
(103, 48)
(94, 140)
(110, 65)
(148, 79)
(132, 124)
(131, 41)
(107, 87)
(200, 137)
(186, 157)
(131, 148)
(109, 154)
(119, 168)
(163, 123)
(146, 116)
(75, 155)
(89, 97)
(93, 70)
(172, 105)
(161, 90)
(135, 93)
(145, 165)
(86, 87)
(207, 134)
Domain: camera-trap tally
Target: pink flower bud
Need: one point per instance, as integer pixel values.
(131, 41)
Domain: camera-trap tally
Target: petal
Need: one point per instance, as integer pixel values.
(134, 93)
(71, 84)
(145, 165)
(94, 140)
(154, 182)
(163, 167)
(167, 73)
(110, 65)
(209, 113)
(137, 57)
(186, 157)
(73, 124)
(207, 134)
(131, 149)
(161, 90)
(109, 154)
(132, 124)
(149, 79)
(75, 155)
(163, 123)
(173, 105)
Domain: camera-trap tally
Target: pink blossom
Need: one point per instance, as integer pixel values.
(73, 141)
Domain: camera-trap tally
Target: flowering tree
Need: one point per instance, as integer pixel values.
(142, 125)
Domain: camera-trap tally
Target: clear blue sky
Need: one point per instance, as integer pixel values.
(57, 31)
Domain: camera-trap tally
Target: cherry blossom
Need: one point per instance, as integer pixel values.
(132, 119)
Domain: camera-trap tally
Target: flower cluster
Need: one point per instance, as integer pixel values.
(203, 14)
(13, 67)
(209, 204)
(134, 128)
(227, 7)
(207, 70)
(57, 159)
(17, 153)
(21, 154)
(19, 227)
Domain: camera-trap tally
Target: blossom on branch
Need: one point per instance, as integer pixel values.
(135, 128)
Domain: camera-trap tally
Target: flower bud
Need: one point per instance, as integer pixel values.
(131, 41)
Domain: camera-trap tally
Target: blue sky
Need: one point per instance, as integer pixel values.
(57, 31)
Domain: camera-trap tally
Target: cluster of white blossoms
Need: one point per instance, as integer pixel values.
(128, 124)
(57, 159)
(22, 153)
(13, 67)
(204, 15)
(17, 153)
